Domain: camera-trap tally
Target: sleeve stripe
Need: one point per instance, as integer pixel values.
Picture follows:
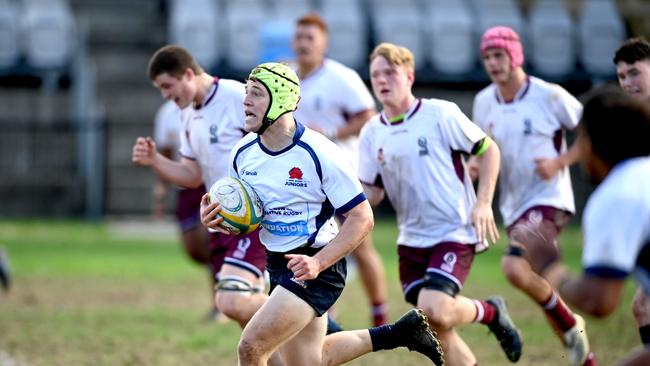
(606, 272)
(351, 204)
(481, 147)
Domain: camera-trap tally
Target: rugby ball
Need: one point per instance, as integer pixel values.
(241, 208)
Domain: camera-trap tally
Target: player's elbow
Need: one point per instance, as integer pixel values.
(195, 182)
(366, 217)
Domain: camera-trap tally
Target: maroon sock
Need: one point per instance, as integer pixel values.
(485, 312)
(380, 314)
(560, 313)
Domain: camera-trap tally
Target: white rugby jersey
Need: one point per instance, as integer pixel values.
(419, 163)
(329, 96)
(616, 224)
(211, 131)
(301, 187)
(167, 126)
(527, 128)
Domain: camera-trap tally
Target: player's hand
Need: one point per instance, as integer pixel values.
(483, 222)
(209, 217)
(303, 267)
(547, 168)
(144, 151)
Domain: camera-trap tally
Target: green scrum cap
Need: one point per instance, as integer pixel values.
(283, 86)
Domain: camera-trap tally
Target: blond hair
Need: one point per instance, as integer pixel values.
(394, 54)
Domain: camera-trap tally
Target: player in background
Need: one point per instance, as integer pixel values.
(527, 117)
(335, 102)
(632, 62)
(194, 236)
(301, 181)
(413, 152)
(613, 137)
(213, 122)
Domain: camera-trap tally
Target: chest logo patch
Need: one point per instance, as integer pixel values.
(295, 178)
(528, 127)
(213, 134)
(422, 143)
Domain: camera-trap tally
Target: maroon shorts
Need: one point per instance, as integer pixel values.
(243, 251)
(187, 207)
(442, 267)
(538, 223)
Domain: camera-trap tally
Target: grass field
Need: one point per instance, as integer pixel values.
(87, 295)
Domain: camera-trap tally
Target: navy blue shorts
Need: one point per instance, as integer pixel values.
(320, 293)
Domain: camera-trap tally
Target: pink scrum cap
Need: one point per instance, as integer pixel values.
(506, 38)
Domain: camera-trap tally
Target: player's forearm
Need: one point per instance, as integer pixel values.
(358, 224)
(354, 124)
(592, 295)
(570, 157)
(177, 172)
(489, 164)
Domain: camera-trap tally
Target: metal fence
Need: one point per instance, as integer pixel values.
(51, 169)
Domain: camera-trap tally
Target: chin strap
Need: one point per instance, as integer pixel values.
(266, 123)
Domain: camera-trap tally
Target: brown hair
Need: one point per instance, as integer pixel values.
(394, 54)
(312, 19)
(633, 50)
(173, 60)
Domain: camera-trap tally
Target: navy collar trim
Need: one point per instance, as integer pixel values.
(300, 129)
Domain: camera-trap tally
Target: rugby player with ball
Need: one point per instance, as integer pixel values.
(213, 122)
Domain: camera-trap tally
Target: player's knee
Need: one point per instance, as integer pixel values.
(248, 351)
(513, 269)
(440, 318)
(232, 294)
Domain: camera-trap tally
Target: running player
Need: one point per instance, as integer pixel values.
(413, 151)
(335, 102)
(632, 62)
(301, 182)
(527, 117)
(613, 137)
(213, 122)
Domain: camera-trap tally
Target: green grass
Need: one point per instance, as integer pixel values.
(86, 295)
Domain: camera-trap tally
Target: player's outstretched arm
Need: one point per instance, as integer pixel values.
(186, 173)
(482, 216)
(591, 294)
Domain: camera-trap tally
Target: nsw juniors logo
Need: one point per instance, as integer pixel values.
(295, 178)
